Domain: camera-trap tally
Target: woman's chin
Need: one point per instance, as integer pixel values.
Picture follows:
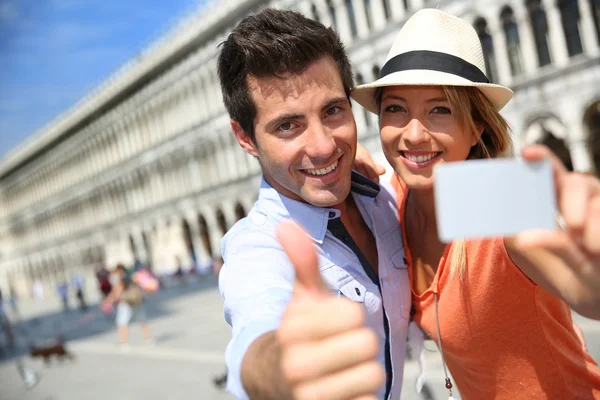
(419, 184)
(414, 181)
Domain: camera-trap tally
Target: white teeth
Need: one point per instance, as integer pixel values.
(420, 159)
(322, 171)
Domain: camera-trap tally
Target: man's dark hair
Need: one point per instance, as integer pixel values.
(272, 43)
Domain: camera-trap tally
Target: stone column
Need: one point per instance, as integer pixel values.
(228, 209)
(360, 17)
(323, 11)
(417, 4)
(589, 38)
(214, 231)
(343, 21)
(378, 20)
(556, 34)
(397, 10)
(202, 253)
(140, 248)
(579, 148)
(502, 63)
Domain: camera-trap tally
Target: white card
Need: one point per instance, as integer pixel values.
(487, 198)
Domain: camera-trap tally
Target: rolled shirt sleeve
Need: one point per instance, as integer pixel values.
(256, 283)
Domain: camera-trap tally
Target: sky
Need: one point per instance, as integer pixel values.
(53, 52)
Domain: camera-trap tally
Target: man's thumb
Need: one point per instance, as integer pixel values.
(301, 252)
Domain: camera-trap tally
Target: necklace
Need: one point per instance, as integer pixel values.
(437, 324)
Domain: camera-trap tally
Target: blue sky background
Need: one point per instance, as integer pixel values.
(52, 52)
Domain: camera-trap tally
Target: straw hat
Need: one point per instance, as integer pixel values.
(434, 48)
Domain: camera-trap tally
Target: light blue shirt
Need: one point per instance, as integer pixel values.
(256, 281)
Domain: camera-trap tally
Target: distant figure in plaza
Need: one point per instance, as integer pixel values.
(63, 293)
(103, 276)
(12, 300)
(78, 282)
(129, 299)
(5, 324)
(38, 290)
(180, 274)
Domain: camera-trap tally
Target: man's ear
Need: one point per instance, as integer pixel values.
(243, 138)
(479, 129)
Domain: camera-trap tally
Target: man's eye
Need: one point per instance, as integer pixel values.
(441, 110)
(333, 110)
(286, 126)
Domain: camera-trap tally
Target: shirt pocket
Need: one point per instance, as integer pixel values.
(402, 283)
(398, 259)
(353, 290)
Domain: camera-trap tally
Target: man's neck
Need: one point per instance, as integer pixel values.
(350, 214)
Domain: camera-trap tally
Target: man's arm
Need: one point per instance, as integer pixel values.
(299, 341)
(262, 375)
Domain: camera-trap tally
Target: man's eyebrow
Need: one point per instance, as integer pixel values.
(331, 102)
(281, 119)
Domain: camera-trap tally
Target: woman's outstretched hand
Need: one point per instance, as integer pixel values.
(577, 245)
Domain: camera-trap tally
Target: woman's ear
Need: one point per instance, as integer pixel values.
(243, 138)
(479, 129)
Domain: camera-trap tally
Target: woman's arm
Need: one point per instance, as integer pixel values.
(114, 294)
(565, 262)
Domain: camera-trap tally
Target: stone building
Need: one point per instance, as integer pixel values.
(145, 167)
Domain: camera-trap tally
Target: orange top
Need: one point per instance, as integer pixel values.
(503, 336)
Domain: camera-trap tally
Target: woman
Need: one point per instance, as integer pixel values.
(498, 308)
(130, 305)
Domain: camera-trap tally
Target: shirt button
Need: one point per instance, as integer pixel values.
(331, 214)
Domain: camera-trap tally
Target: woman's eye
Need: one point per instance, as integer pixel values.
(394, 108)
(441, 110)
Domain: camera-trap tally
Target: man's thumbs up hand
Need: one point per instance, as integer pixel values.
(303, 256)
(327, 352)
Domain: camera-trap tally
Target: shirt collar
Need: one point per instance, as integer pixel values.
(313, 219)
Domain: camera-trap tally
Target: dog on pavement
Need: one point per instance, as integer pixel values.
(55, 349)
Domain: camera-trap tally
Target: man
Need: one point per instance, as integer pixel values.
(305, 327)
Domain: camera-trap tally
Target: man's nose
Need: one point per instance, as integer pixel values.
(320, 143)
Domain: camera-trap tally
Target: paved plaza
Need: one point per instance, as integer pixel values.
(191, 335)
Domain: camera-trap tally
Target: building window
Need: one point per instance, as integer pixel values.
(539, 24)
(375, 71)
(513, 43)
(569, 13)
(332, 14)
(487, 45)
(351, 18)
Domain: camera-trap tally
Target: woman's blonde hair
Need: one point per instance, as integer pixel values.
(472, 109)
